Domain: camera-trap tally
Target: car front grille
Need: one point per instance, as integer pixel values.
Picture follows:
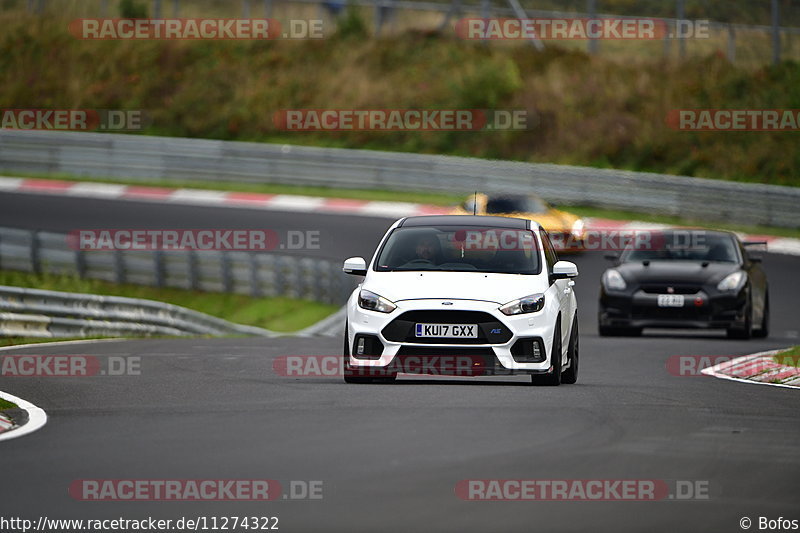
(671, 288)
(490, 330)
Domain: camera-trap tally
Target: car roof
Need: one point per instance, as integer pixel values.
(672, 231)
(504, 195)
(468, 220)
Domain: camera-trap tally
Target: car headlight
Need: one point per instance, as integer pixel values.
(732, 282)
(373, 302)
(614, 281)
(528, 304)
(577, 228)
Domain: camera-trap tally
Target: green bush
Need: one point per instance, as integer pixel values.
(132, 9)
(351, 25)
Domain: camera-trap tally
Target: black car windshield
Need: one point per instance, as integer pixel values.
(459, 248)
(682, 246)
(515, 204)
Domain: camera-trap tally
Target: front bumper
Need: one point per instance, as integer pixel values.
(504, 342)
(704, 309)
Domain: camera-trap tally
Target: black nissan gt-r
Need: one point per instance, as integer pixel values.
(680, 278)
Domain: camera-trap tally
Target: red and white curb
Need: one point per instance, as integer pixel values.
(760, 368)
(303, 204)
(37, 418)
(5, 423)
(250, 200)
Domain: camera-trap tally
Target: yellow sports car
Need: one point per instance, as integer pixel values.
(565, 229)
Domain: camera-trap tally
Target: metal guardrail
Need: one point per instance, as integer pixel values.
(153, 158)
(40, 313)
(255, 274)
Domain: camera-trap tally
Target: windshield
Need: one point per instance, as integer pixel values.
(683, 246)
(515, 204)
(456, 248)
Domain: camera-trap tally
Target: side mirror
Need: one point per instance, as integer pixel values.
(355, 266)
(612, 256)
(755, 258)
(564, 270)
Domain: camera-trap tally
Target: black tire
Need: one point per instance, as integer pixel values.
(763, 331)
(746, 331)
(351, 375)
(552, 379)
(570, 375)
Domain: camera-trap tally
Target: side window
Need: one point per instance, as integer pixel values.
(549, 251)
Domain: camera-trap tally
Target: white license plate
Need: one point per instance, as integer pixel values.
(458, 331)
(670, 300)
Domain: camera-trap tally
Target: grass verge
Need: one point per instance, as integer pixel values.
(790, 357)
(6, 405)
(276, 314)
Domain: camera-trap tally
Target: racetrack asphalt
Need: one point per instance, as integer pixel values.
(390, 456)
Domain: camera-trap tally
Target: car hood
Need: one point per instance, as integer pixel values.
(498, 288)
(675, 272)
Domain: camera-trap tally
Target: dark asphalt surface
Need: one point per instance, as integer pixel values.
(390, 455)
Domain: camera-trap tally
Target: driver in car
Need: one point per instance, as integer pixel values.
(428, 249)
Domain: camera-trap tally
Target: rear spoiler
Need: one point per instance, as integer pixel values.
(755, 243)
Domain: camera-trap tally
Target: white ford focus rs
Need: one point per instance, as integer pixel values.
(465, 296)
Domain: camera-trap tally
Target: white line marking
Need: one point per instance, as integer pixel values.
(61, 343)
(103, 190)
(295, 203)
(197, 196)
(10, 184)
(37, 418)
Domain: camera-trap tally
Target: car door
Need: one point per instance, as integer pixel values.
(560, 289)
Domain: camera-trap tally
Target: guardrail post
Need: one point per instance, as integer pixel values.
(227, 279)
(176, 8)
(192, 273)
(681, 40)
(776, 33)
(591, 8)
(159, 268)
(246, 9)
(731, 44)
(255, 282)
(80, 262)
(119, 266)
(378, 17)
(278, 280)
(36, 264)
(319, 283)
